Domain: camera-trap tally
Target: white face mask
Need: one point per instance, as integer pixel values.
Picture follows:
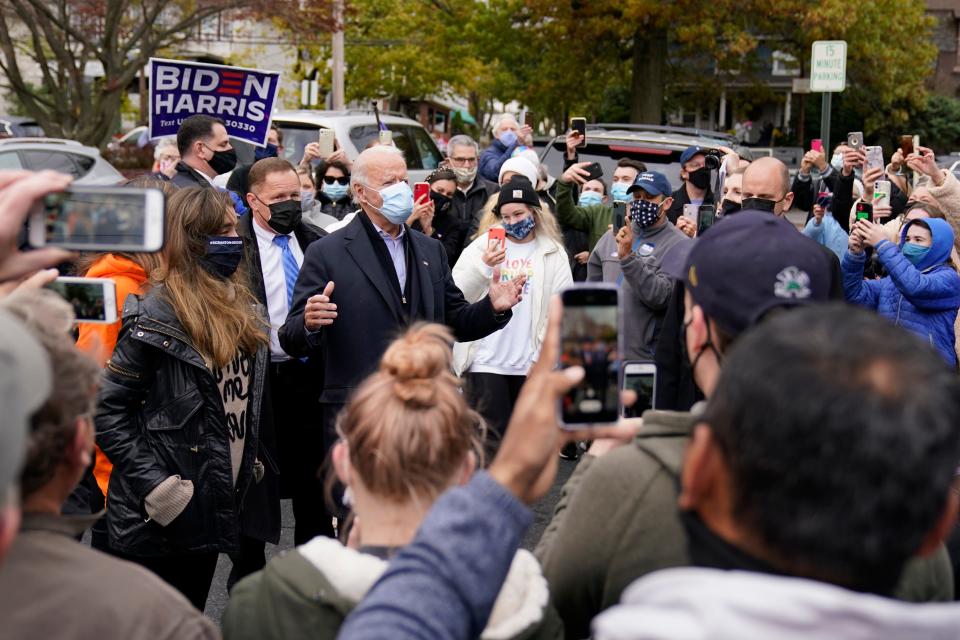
(837, 161)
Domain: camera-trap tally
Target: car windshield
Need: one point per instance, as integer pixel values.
(656, 158)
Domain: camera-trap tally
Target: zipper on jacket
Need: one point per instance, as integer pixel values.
(121, 371)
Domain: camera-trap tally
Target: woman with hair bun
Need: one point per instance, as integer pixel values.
(405, 438)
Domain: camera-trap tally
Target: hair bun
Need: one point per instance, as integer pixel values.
(417, 359)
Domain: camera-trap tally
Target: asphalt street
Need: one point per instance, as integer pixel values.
(543, 510)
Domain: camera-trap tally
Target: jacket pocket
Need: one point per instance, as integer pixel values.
(175, 414)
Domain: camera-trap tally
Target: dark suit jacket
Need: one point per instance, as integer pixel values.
(187, 176)
(260, 517)
(369, 315)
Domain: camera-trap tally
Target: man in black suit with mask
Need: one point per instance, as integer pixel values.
(385, 276)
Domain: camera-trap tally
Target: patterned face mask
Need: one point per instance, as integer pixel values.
(520, 229)
(644, 213)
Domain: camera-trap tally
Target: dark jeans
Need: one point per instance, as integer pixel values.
(190, 574)
(493, 396)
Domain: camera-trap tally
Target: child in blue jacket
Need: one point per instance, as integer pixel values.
(921, 292)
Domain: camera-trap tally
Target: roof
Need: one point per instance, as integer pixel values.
(349, 116)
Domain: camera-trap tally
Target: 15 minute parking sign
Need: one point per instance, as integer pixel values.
(828, 66)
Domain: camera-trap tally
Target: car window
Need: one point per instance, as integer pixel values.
(295, 139)
(10, 160)
(40, 159)
(363, 135)
(84, 163)
(429, 154)
(666, 161)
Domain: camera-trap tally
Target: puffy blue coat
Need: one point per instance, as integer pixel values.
(493, 158)
(922, 298)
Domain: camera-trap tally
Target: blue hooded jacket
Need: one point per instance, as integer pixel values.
(922, 298)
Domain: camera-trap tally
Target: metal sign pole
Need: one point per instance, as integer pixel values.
(825, 122)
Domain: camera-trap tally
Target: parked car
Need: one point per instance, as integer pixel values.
(355, 130)
(658, 147)
(66, 156)
(790, 156)
(20, 127)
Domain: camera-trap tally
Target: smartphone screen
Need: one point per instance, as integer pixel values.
(864, 211)
(906, 145)
(580, 125)
(639, 381)
(421, 189)
(619, 215)
(99, 218)
(92, 299)
(706, 215)
(327, 139)
(590, 339)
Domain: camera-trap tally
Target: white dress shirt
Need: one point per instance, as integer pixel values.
(275, 283)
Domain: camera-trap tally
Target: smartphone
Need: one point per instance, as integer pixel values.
(864, 211)
(906, 145)
(619, 215)
(421, 189)
(874, 158)
(594, 171)
(816, 145)
(526, 119)
(497, 235)
(327, 142)
(590, 338)
(639, 380)
(881, 193)
(580, 125)
(706, 215)
(690, 212)
(855, 140)
(92, 299)
(386, 137)
(99, 219)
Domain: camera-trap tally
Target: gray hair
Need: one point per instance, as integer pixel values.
(462, 140)
(500, 120)
(358, 173)
(162, 144)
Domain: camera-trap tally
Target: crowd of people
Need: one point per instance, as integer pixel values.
(389, 364)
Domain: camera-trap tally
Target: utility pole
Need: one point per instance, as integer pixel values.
(338, 63)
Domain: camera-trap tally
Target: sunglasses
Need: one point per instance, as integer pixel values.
(341, 180)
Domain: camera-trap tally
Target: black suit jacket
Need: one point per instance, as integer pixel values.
(369, 315)
(260, 517)
(187, 176)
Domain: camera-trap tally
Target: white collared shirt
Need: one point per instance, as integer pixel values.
(275, 282)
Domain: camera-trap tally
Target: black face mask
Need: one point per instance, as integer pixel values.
(441, 203)
(699, 178)
(224, 254)
(759, 204)
(285, 216)
(729, 206)
(223, 161)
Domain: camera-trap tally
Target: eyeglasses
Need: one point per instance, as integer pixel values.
(342, 180)
(463, 161)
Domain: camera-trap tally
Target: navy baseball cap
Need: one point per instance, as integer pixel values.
(689, 152)
(746, 265)
(653, 182)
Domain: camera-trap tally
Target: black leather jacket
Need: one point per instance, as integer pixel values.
(159, 414)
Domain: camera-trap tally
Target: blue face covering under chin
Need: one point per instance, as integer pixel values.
(913, 252)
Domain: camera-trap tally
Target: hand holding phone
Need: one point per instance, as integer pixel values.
(421, 190)
(816, 145)
(706, 215)
(864, 211)
(579, 124)
(906, 146)
(855, 140)
(594, 171)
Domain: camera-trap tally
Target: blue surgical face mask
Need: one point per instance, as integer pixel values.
(590, 198)
(508, 137)
(520, 229)
(619, 191)
(915, 253)
(397, 202)
(335, 191)
(837, 161)
(307, 199)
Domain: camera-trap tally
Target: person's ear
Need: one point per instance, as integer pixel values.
(341, 462)
(787, 202)
(697, 334)
(944, 525)
(198, 150)
(667, 203)
(80, 452)
(251, 201)
(700, 468)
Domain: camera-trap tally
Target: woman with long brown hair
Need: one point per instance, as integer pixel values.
(179, 406)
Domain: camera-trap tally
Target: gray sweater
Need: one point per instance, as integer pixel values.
(645, 290)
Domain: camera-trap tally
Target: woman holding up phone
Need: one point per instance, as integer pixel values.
(179, 405)
(435, 216)
(496, 366)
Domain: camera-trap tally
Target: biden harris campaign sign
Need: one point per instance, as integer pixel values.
(242, 98)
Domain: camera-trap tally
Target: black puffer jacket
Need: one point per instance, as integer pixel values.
(336, 208)
(159, 414)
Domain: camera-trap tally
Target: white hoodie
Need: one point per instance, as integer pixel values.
(693, 603)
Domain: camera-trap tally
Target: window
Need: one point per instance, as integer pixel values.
(39, 160)
(365, 134)
(784, 64)
(84, 164)
(429, 155)
(10, 160)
